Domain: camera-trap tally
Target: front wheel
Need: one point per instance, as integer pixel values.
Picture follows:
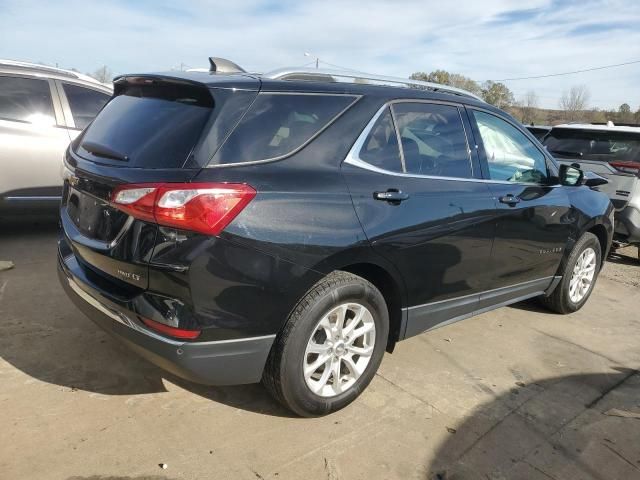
(579, 274)
(331, 346)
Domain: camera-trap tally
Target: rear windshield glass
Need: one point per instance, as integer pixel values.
(278, 124)
(594, 145)
(148, 126)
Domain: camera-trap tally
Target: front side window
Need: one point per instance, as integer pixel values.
(511, 156)
(26, 100)
(84, 103)
(278, 124)
(433, 139)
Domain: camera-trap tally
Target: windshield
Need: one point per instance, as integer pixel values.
(594, 145)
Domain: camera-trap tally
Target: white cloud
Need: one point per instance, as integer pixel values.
(484, 40)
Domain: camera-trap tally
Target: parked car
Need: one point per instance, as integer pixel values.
(234, 228)
(612, 151)
(41, 110)
(539, 131)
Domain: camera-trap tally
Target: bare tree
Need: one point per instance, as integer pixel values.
(103, 74)
(529, 107)
(574, 101)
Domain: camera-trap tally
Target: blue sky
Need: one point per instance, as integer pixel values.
(492, 39)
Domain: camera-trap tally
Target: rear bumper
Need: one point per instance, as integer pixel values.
(627, 225)
(222, 362)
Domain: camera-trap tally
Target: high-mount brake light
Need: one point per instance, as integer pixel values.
(200, 207)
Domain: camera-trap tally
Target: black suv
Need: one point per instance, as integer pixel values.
(290, 227)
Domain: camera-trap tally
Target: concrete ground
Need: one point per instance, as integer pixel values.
(518, 393)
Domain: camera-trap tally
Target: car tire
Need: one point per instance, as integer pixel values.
(574, 289)
(312, 336)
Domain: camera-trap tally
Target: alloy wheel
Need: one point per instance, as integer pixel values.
(339, 349)
(582, 276)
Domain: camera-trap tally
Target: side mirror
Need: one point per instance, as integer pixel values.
(570, 176)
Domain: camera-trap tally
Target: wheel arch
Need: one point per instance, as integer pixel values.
(601, 233)
(393, 292)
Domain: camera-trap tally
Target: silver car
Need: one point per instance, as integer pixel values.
(42, 109)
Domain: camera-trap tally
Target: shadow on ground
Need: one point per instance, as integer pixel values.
(43, 335)
(624, 259)
(558, 428)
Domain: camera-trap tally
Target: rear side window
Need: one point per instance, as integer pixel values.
(277, 124)
(148, 126)
(26, 100)
(433, 139)
(380, 148)
(84, 103)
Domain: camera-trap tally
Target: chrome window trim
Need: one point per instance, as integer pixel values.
(353, 157)
(296, 150)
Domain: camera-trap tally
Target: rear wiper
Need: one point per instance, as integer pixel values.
(101, 150)
(567, 153)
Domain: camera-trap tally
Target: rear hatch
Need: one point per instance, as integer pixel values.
(612, 154)
(155, 130)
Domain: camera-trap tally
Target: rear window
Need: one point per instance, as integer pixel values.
(277, 124)
(148, 126)
(594, 145)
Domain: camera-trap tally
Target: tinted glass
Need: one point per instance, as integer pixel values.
(278, 124)
(380, 148)
(538, 132)
(26, 100)
(510, 154)
(594, 145)
(84, 103)
(148, 126)
(433, 139)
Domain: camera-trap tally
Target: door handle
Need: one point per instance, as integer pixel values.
(392, 195)
(510, 200)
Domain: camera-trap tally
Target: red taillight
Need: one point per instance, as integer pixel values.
(171, 331)
(201, 207)
(628, 167)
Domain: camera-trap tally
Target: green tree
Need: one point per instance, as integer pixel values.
(452, 79)
(437, 76)
(624, 113)
(497, 94)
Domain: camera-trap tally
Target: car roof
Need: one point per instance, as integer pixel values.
(37, 70)
(601, 128)
(312, 84)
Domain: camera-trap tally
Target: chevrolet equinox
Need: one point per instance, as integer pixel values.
(291, 227)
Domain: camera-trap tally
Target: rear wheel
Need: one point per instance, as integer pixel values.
(331, 346)
(579, 274)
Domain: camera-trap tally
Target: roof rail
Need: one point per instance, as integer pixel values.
(47, 69)
(321, 74)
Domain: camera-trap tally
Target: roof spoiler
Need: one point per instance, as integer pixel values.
(222, 65)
